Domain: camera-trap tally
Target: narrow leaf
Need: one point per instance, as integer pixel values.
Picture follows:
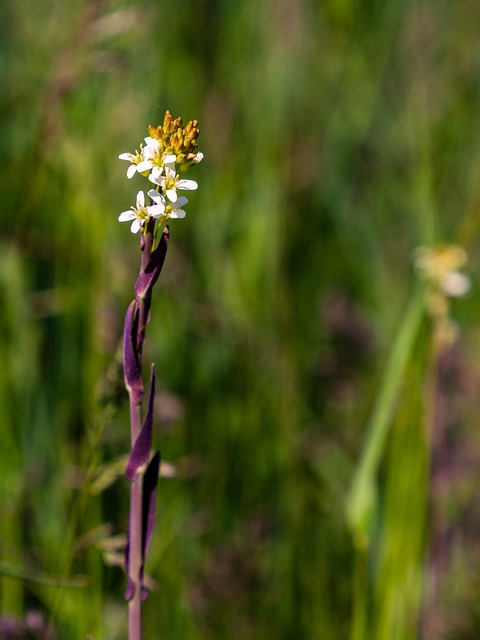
(362, 502)
(150, 482)
(131, 364)
(148, 277)
(140, 452)
(130, 590)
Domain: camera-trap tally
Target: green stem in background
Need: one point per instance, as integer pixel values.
(360, 600)
(362, 501)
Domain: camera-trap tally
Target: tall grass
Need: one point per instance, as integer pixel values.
(337, 137)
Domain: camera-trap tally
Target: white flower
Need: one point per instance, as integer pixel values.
(171, 209)
(167, 159)
(140, 213)
(137, 164)
(152, 150)
(133, 163)
(170, 182)
(174, 209)
(140, 161)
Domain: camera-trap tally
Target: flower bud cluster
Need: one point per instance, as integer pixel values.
(168, 148)
(176, 140)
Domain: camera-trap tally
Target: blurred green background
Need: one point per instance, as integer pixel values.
(338, 136)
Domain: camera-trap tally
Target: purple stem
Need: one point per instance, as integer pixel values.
(135, 561)
(142, 510)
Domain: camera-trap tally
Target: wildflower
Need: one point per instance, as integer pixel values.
(170, 182)
(142, 161)
(172, 209)
(157, 170)
(140, 213)
(137, 163)
(153, 154)
(441, 266)
(167, 148)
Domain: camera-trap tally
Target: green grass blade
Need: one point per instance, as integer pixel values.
(362, 501)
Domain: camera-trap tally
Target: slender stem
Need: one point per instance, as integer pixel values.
(135, 536)
(135, 604)
(135, 520)
(360, 599)
(135, 525)
(362, 500)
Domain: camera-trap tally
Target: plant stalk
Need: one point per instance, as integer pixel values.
(135, 537)
(135, 524)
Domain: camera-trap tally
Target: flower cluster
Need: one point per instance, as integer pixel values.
(168, 148)
(440, 267)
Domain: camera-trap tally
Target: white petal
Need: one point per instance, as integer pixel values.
(198, 158)
(157, 172)
(155, 179)
(181, 201)
(187, 185)
(156, 210)
(126, 215)
(156, 197)
(170, 158)
(144, 166)
(151, 142)
(126, 156)
(178, 213)
(131, 171)
(140, 200)
(172, 195)
(152, 148)
(136, 225)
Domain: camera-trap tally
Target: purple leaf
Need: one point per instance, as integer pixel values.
(130, 590)
(131, 365)
(150, 482)
(149, 488)
(143, 305)
(143, 444)
(149, 275)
